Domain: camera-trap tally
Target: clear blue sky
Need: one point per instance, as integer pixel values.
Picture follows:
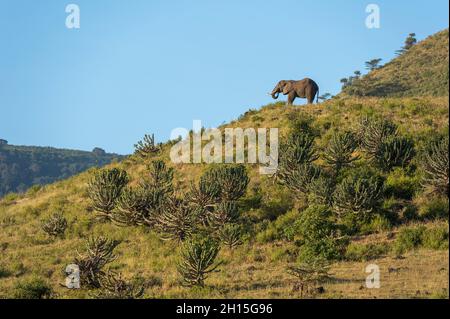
(143, 66)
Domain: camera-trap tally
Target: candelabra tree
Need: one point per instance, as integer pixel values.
(223, 213)
(394, 151)
(231, 235)
(114, 286)
(55, 225)
(99, 252)
(141, 204)
(340, 151)
(296, 169)
(373, 133)
(198, 261)
(177, 220)
(357, 197)
(105, 188)
(435, 166)
(146, 147)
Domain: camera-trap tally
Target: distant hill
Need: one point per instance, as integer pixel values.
(24, 166)
(420, 71)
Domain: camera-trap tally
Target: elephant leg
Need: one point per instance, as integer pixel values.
(310, 95)
(291, 98)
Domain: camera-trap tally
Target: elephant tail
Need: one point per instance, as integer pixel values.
(317, 100)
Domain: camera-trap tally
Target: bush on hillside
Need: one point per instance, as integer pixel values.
(357, 197)
(114, 286)
(434, 237)
(99, 252)
(34, 288)
(177, 220)
(321, 191)
(283, 228)
(225, 182)
(366, 252)
(435, 164)
(231, 235)
(105, 188)
(320, 236)
(435, 207)
(373, 132)
(198, 261)
(409, 238)
(339, 151)
(55, 225)
(401, 185)
(394, 152)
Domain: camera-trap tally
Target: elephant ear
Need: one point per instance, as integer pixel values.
(287, 88)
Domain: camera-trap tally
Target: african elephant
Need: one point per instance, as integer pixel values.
(305, 88)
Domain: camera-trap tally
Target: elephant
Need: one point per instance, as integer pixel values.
(305, 88)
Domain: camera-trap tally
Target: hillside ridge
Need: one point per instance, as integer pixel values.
(420, 71)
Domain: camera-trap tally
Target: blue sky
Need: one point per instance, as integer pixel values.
(143, 66)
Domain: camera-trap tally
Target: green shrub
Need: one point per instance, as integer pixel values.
(34, 288)
(321, 191)
(197, 261)
(301, 123)
(10, 197)
(226, 182)
(105, 188)
(280, 229)
(252, 200)
(276, 202)
(394, 151)
(435, 163)
(373, 132)
(434, 208)
(357, 197)
(296, 156)
(55, 225)
(4, 273)
(401, 185)
(231, 235)
(319, 235)
(378, 224)
(365, 252)
(340, 149)
(436, 237)
(409, 238)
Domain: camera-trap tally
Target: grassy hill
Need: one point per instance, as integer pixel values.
(24, 166)
(420, 71)
(406, 234)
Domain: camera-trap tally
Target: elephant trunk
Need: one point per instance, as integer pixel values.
(275, 93)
